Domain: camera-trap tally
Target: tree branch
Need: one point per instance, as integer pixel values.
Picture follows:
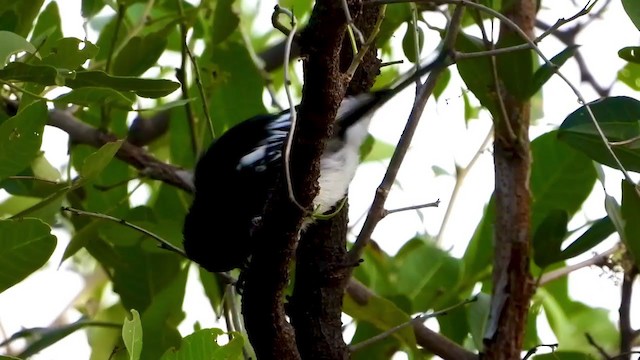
(627, 333)
(268, 273)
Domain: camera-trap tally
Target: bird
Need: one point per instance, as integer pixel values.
(233, 178)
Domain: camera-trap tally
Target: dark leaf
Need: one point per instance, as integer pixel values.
(548, 238)
(630, 53)
(618, 118)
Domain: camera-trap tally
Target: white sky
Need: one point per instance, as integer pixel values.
(440, 140)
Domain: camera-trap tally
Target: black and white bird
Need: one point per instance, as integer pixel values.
(233, 178)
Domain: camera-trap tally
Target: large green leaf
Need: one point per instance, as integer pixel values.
(618, 118)
(96, 96)
(163, 316)
(630, 210)
(139, 54)
(11, 43)
(203, 344)
(25, 245)
(20, 139)
(48, 29)
(561, 177)
(234, 85)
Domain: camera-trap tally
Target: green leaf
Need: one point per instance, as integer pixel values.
(225, 21)
(477, 73)
(630, 75)
(48, 29)
(162, 318)
(545, 72)
(213, 289)
(383, 314)
(561, 178)
(49, 75)
(470, 112)
(630, 210)
(630, 53)
(632, 8)
(92, 96)
(233, 83)
(20, 138)
(91, 7)
(69, 53)
(147, 88)
(21, 15)
(618, 118)
(139, 54)
(477, 316)
(409, 42)
(203, 344)
(597, 233)
(441, 83)
(25, 245)
(548, 238)
(380, 151)
(132, 335)
(515, 69)
(11, 43)
(96, 162)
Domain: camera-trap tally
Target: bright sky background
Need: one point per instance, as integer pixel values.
(440, 141)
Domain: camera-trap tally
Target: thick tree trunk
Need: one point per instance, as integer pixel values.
(513, 284)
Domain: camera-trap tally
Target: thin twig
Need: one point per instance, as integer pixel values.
(182, 77)
(350, 23)
(376, 209)
(163, 243)
(413, 207)
(598, 260)
(292, 109)
(196, 69)
(357, 59)
(418, 319)
(461, 175)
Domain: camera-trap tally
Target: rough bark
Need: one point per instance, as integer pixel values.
(268, 273)
(513, 284)
(321, 268)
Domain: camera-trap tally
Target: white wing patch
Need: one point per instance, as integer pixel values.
(269, 149)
